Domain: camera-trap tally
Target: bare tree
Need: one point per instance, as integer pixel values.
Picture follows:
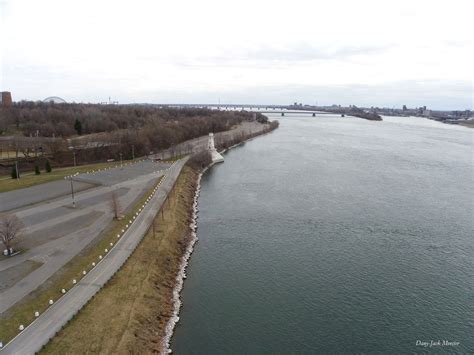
(10, 226)
(115, 204)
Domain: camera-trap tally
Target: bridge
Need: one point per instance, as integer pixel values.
(296, 112)
(278, 109)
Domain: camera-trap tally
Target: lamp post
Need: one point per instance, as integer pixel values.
(72, 193)
(120, 160)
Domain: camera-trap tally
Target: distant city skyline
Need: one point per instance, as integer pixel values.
(365, 53)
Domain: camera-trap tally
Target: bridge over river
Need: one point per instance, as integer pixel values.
(278, 109)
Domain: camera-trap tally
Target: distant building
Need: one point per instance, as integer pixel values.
(5, 99)
(54, 100)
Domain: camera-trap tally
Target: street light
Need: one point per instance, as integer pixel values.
(72, 193)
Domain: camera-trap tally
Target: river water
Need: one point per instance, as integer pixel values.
(335, 235)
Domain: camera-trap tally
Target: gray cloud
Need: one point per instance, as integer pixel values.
(266, 56)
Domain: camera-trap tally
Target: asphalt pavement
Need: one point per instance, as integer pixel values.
(38, 333)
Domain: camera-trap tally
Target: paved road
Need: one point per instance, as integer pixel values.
(38, 333)
(117, 175)
(106, 177)
(34, 194)
(54, 233)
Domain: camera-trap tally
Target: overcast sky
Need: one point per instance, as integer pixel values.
(381, 53)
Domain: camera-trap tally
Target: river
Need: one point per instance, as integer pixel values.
(335, 235)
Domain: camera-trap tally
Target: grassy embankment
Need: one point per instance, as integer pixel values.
(23, 312)
(30, 179)
(129, 314)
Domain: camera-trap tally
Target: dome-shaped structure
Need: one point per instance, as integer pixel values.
(55, 99)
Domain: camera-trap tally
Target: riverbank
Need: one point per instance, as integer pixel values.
(130, 313)
(202, 165)
(138, 309)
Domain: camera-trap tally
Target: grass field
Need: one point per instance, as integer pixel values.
(128, 315)
(23, 312)
(30, 179)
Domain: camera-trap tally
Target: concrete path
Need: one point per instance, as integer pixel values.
(38, 333)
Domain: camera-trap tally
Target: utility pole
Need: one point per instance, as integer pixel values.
(74, 155)
(72, 193)
(133, 152)
(121, 160)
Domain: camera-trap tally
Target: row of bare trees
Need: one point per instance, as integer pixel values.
(108, 131)
(63, 120)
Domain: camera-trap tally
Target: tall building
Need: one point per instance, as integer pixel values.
(5, 99)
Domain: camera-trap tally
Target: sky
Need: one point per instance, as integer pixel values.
(366, 53)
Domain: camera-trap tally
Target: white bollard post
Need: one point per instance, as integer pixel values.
(21, 327)
(51, 302)
(37, 314)
(74, 281)
(63, 291)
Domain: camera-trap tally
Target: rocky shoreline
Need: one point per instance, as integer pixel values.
(175, 302)
(178, 286)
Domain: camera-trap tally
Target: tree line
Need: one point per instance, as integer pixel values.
(65, 120)
(97, 132)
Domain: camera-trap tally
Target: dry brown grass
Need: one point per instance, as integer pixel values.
(129, 314)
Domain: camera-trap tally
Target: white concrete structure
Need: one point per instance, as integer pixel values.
(216, 157)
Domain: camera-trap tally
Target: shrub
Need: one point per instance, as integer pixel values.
(48, 166)
(13, 173)
(200, 160)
